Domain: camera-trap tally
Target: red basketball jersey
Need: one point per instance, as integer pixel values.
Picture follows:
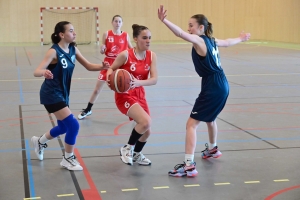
(115, 44)
(138, 68)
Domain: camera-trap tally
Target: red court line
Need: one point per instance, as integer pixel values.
(92, 193)
(281, 191)
(116, 130)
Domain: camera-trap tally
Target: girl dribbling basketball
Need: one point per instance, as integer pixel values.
(140, 62)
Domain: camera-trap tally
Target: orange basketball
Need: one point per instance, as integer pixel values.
(119, 81)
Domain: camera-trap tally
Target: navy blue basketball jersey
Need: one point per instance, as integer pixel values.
(58, 89)
(209, 64)
(214, 85)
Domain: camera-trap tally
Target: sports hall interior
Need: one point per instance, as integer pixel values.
(259, 131)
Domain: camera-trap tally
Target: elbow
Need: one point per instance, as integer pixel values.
(154, 81)
(178, 34)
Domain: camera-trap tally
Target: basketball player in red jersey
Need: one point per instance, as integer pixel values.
(113, 42)
(140, 62)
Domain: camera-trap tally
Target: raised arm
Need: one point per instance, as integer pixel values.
(233, 41)
(89, 66)
(195, 39)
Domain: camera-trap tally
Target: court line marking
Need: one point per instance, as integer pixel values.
(192, 185)
(161, 187)
(130, 189)
(282, 180)
(252, 182)
(65, 195)
(226, 183)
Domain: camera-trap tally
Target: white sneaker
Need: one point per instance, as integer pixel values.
(71, 163)
(141, 159)
(84, 113)
(126, 154)
(38, 147)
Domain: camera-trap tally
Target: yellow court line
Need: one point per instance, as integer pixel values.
(193, 185)
(161, 187)
(103, 191)
(65, 195)
(282, 180)
(32, 198)
(222, 183)
(128, 190)
(252, 182)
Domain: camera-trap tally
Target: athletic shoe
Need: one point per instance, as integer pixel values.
(38, 147)
(184, 170)
(70, 163)
(84, 113)
(141, 159)
(214, 152)
(126, 154)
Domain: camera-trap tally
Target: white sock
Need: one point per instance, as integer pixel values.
(211, 146)
(43, 139)
(68, 155)
(188, 159)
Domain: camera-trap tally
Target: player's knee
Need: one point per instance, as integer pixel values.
(62, 127)
(146, 123)
(58, 130)
(72, 129)
(210, 124)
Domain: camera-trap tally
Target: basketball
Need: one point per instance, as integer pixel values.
(119, 81)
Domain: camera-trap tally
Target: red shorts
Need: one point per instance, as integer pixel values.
(102, 74)
(124, 101)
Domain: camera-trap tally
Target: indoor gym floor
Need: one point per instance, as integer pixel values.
(258, 130)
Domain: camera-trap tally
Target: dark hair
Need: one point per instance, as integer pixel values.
(202, 20)
(137, 29)
(59, 28)
(115, 17)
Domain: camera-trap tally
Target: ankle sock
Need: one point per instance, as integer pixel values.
(188, 159)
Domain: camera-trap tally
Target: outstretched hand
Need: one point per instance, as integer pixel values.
(105, 65)
(161, 12)
(244, 36)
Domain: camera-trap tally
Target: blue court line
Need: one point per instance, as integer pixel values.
(153, 144)
(29, 168)
(20, 86)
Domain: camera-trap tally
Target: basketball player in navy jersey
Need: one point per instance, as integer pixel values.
(57, 68)
(214, 87)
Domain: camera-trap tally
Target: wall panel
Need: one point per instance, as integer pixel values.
(272, 20)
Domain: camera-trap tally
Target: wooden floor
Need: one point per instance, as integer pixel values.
(258, 130)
